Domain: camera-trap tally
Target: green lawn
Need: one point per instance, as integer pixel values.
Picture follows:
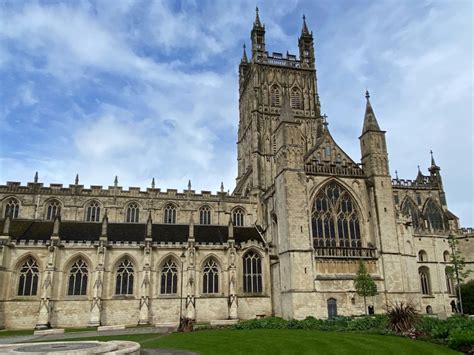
(263, 341)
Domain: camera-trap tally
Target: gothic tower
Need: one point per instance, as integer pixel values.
(263, 80)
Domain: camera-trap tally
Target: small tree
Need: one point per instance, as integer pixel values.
(468, 298)
(457, 260)
(364, 284)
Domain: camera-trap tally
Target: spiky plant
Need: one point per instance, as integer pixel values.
(402, 318)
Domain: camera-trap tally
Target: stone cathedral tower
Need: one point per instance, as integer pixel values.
(286, 242)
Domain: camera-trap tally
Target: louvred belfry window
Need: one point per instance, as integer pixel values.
(335, 220)
(275, 96)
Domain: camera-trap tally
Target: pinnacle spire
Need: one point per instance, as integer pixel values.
(304, 29)
(116, 181)
(257, 22)
(433, 163)
(244, 56)
(76, 180)
(35, 179)
(370, 122)
(153, 183)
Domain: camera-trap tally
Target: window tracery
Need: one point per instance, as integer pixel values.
(252, 273)
(78, 276)
(133, 213)
(205, 215)
(169, 278)
(93, 212)
(124, 279)
(409, 209)
(170, 214)
(210, 277)
(295, 99)
(28, 280)
(335, 219)
(53, 209)
(424, 280)
(434, 216)
(12, 208)
(238, 217)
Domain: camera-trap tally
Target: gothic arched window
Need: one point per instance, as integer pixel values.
(252, 273)
(78, 276)
(93, 212)
(170, 214)
(132, 213)
(124, 280)
(446, 257)
(12, 208)
(238, 217)
(332, 308)
(409, 209)
(335, 219)
(448, 272)
(205, 215)
(295, 99)
(210, 277)
(434, 216)
(424, 274)
(53, 209)
(28, 280)
(169, 278)
(275, 96)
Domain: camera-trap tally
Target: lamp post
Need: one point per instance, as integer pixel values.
(183, 259)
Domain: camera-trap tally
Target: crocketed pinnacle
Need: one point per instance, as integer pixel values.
(244, 56)
(257, 22)
(370, 122)
(304, 29)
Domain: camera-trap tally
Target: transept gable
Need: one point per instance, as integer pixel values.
(327, 157)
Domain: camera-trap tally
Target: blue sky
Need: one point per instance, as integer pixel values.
(144, 89)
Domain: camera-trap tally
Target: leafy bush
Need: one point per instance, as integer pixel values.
(403, 318)
(467, 291)
(264, 323)
(462, 339)
(378, 322)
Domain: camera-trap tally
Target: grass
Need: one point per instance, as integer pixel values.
(265, 341)
(12, 333)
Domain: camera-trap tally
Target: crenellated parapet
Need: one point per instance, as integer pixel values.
(425, 183)
(13, 187)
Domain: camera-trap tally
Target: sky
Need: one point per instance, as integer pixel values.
(143, 89)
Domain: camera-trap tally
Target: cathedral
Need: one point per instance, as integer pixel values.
(286, 242)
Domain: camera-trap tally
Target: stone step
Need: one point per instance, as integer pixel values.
(110, 327)
(223, 322)
(126, 347)
(48, 331)
(166, 327)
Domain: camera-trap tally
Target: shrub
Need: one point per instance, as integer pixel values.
(402, 318)
(264, 323)
(462, 339)
(467, 291)
(378, 322)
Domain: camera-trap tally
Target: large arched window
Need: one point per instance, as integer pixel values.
(295, 99)
(409, 209)
(238, 217)
(434, 216)
(252, 273)
(170, 214)
(335, 219)
(78, 276)
(93, 212)
(210, 277)
(424, 274)
(205, 215)
(124, 280)
(12, 208)
(275, 96)
(28, 280)
(53, 209)
(132, 213)
(169, 278)
(449, 280)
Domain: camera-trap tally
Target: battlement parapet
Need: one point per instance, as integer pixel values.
(13, 187)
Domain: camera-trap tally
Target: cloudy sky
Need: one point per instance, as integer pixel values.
(144, 89)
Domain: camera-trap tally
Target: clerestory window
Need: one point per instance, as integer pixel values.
(132, 213)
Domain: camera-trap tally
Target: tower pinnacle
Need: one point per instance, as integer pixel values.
(370, 122)
(244, 55)
(304, 30)
(257, 22)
